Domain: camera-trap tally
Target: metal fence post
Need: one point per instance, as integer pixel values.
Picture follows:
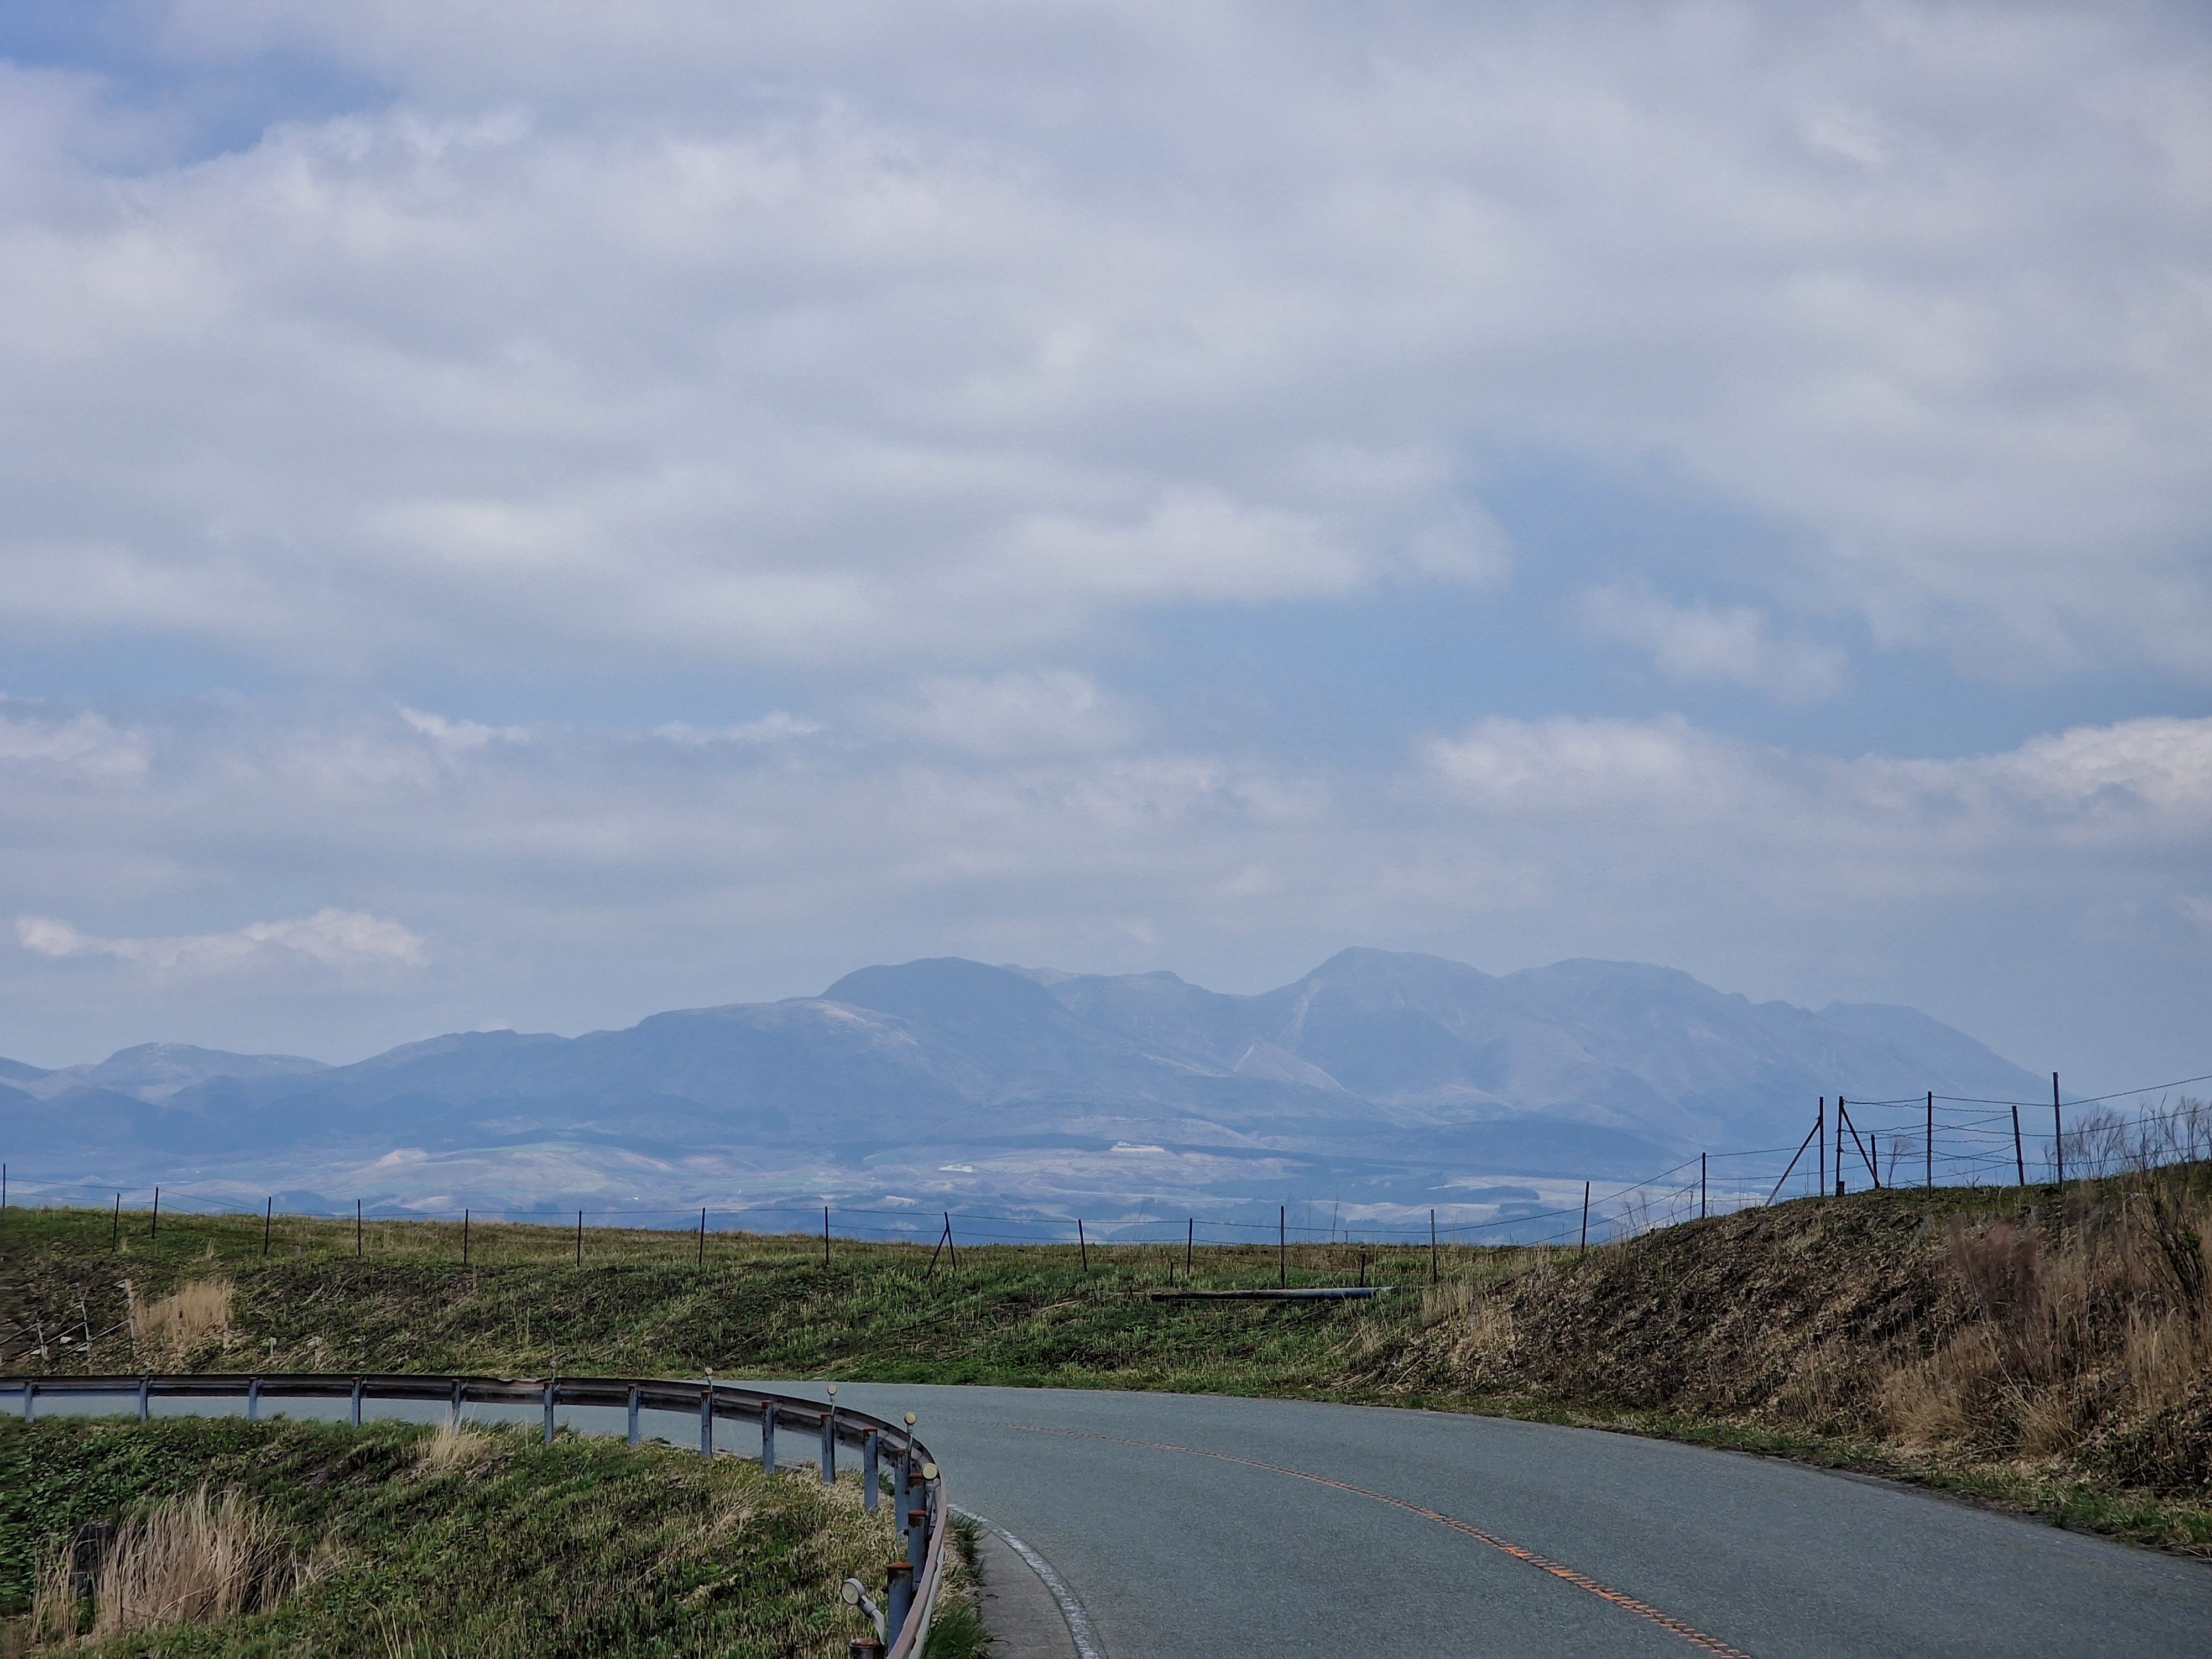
(768, 1438)
(1930, 1150)
(268, 1214)
(2018, 1157)
(1432, 1250)
(1189, 1243)
(634, 1403)
(871, 1469)
(1585, 1244)
(2058, 1131)
(1282, 1246)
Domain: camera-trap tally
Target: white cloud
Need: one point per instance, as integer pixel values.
(1733, 646)
(1013, 715)
(946, 341)
(778, 726)
(83, 743)
(330, 938)
(460, 735)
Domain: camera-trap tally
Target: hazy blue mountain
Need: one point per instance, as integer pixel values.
(1386, 1077)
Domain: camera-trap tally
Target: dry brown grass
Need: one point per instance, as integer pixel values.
(456, 1448)
(198, 1313)
(180, 1561)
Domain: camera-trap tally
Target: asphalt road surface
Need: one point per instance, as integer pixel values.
(1190, 1525)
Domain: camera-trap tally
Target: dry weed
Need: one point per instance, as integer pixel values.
(457, 1449)
(199, 1312)
(179, 1560)
(1446, 1300)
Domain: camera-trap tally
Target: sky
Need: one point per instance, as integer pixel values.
(533, 515)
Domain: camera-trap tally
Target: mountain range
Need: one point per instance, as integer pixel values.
(1388, 1081)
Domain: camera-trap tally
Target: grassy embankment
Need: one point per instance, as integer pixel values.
(395, 1541)
(2050, 1352)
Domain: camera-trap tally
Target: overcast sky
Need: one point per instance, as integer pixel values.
(533, 514)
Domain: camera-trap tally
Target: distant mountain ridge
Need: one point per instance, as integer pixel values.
(1384, 1073)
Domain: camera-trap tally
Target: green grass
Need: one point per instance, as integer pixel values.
(581, 1548)
(767, 1306)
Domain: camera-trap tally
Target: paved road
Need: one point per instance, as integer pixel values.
(1179, 1522)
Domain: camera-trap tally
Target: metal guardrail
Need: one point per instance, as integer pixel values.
(918, 1486)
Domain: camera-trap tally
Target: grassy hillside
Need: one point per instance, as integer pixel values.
(394, 1541)
(2050, 1352)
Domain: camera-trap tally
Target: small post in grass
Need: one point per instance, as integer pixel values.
(1585, 1244)
(1083, 1243)
(155, 1231)
(703, 1238)
(1929, 1153)
(357, 1229)
(1283, 1246)
(268, 1214)
(580, 1238)
(464, 1239)
(2058, 1131)
(825, 1237)
(1189, 1243)
(115, 1229)
(2018, 1157)
(1432, 1253)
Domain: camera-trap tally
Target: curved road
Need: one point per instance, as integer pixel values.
(1199, 1526)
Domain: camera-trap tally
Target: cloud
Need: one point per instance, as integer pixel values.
(945, 346)
(83, 743)
(1013, 715)
(778, 726)
(455, 736)
(1734, 646)
(330, 938)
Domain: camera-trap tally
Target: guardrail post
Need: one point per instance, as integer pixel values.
(358, 1385)
(145, 1388)
(829, 1444)
(253, 1400)
(870, 1471)
(453, 1417)
(707, 1421)
(633, 1415)
(898, 1597)
(550, 1386)
(914, 1507)
(768, 1438)
(30, 1402)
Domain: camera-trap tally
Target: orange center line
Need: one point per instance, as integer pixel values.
(1620, 1599)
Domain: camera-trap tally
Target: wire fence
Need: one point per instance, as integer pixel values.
(1926, 1140)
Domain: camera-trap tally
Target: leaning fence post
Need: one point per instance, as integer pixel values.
(155, 1231)
(1083, 1243)
(2018, 1157)
(1585, 1244)
(268, 1214)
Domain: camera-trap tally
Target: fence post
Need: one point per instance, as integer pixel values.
(464, 1239)
(2018, 1157)
(268, 1214)
(1701, 1186)
(1082, 1241)
(1283, 1246)
(357, 1229)
(825, 1237)
(155, 1231)
(1821, 1153)
(2058, 1131)
(1928, 1149)
(1189, 1243)
(1585, 1244)
(871, 1468)
(115, 1227)
(1432, 1251)
(702, 1238)
(580, 1238)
